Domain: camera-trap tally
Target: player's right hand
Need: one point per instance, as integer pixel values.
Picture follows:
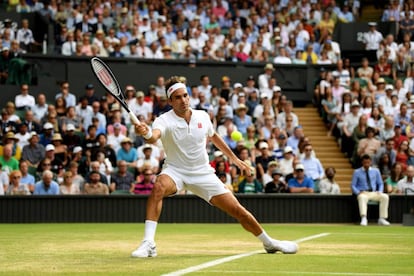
(141, 129)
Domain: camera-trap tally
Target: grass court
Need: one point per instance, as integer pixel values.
(204, 249)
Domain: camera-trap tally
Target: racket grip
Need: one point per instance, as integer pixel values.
(134, 118)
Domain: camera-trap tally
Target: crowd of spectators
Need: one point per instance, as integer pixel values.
(90, 142)
(86, 145)
(220, 30)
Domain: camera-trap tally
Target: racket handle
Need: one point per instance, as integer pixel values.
(134, 118)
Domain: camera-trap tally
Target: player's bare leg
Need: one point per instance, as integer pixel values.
(229, 204)
(164, 186)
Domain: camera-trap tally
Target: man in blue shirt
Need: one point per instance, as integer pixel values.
(46, 186)
(367, 185)
(300, 183)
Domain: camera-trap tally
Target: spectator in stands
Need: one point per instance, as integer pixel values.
(309, 56)
(300, 183)
(401, 68)
(286, 163)
(367, 185)
(68, 187)
(147, 159)
(372, 38)
(365, 72)
(127, 153)
(65, 93)
(263, 79)
(267, 176)
(395, 176)
(313, 167)
(402, 155)
(24, 99)
(287, 111)
(16, 187)
(26, 178)
(40, 108)
(69, 46)
(406, 185)
(122, 179)
(5, 58)
(350, 121)
(145, 186)
(328, 184)
(250, 185)
(10, 138)
(8, 162)
(262, 161)
(33, 152)
(369, 145)
(95, 186)
(277, 184)
(46, 186)
(25, 37)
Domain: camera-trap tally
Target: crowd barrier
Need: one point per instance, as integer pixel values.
(268, 208)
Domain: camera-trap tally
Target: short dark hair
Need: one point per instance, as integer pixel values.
(365, 157)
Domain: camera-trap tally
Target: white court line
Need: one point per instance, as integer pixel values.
(231, 258)
(310, 273)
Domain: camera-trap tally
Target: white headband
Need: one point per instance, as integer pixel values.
(174, 87)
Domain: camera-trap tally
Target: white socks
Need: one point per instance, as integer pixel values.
(265, 238)
(150, 228)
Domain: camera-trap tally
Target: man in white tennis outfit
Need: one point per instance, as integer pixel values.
(184, 132)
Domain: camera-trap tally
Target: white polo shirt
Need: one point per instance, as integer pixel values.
(185, 144)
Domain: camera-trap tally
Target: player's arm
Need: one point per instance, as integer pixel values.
(224, 148)
(151, 136)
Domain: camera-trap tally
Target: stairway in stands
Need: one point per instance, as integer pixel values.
(326, 148)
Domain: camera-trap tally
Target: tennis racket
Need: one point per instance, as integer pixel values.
(105, 76)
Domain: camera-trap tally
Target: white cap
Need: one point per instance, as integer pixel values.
(389, 87)
(288, 149)
(48, 126)
(70, 127)
(77, 149)
(299, 167)
(237, 85)
(218, 153)
(50, 147)
(263, 145)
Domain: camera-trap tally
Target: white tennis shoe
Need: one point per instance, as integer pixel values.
(286, 247)
(383, 221)
(145, 249)
(364, 221)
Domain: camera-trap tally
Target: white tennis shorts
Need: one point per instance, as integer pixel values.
(205, 185)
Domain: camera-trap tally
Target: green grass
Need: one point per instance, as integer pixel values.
(39, 249)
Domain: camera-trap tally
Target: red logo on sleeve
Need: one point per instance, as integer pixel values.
(199, 125)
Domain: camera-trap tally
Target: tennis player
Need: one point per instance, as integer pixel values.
(184, 133)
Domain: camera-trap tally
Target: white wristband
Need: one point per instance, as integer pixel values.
(148, 135)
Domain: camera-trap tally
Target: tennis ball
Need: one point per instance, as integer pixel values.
(236, 136)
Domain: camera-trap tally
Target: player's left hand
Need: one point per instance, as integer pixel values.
(244, 167)
(141, 129)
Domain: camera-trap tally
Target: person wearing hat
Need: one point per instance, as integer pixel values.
(242, 120)
(34, 152)
(372, 38)
(127, 152)
(276, 184)
(47, 134)
(147, 160)
(267, 176)
(90, 93)
(300, 183)
(61, 149)
(167, 52)
(262, 161)
(286, 163)
(56, 165)
(141, 107)
(184, 133)
(263, 79)
(10, 138)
